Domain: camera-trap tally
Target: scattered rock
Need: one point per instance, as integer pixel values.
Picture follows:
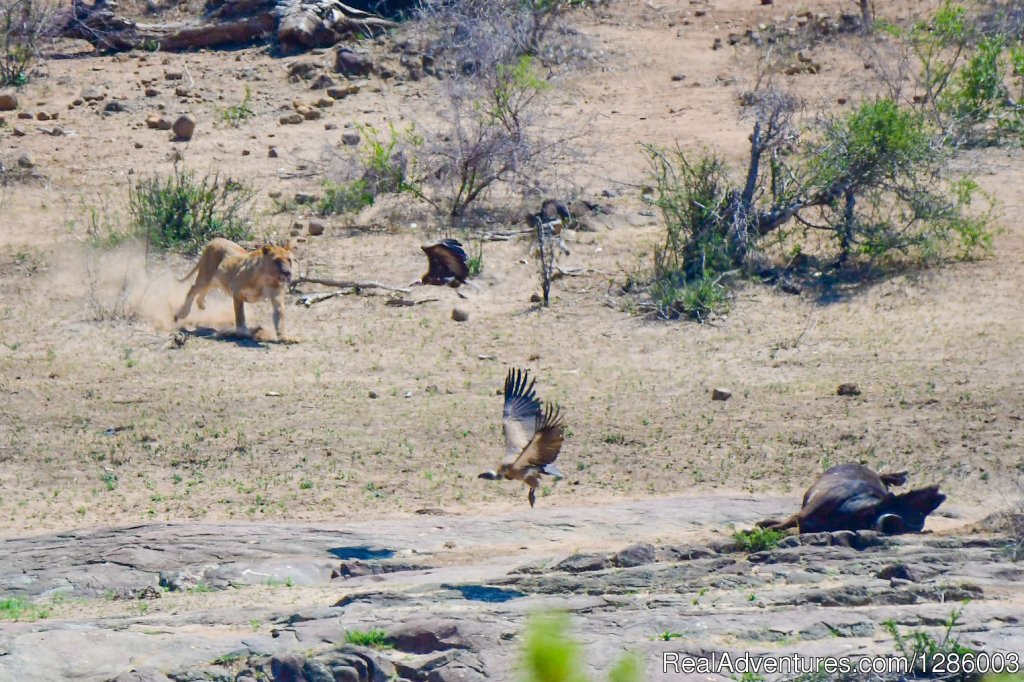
(322, 82)
(8, 101)
(310, 114)
(114, 107)
(678, 77)
(272, 152)
(342, 91)
(18, 132)
(302, 71)
(324, 103)
(536, 298)
(184, 127)
(24, 115)
(152, 92)
(373, 395)
(847, 389)
(173, 75)
(460, 314)
(426, 636)
(291, 119)
(350, 138)
(635, 555)
(583, 563)
(720, 394)
(26, 161)
(42, 116)
(183, 91)
(897, 571)
(144, 675)
(55, 131)
(157, 122)
(315, 228)
(93, 94)
(350, 63)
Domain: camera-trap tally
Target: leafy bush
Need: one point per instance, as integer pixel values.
(184, 211)
(24, 25)
(876, 180)
(758, 539)
(344, 197)
(924, 650)
(376, 639)
(551, 655)
(234, 115)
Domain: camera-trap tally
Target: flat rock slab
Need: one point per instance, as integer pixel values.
(453, 594)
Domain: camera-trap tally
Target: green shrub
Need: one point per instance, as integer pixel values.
(19, 608)
(376, 639)
(234, 115)
(24, 25)
(344, 197)
(184, 211)
(758, 539)
(924, 650)
(551, 655)
(875, 178)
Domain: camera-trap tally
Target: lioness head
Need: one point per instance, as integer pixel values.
(277, 262)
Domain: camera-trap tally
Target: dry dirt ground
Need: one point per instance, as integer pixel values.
(109, 421)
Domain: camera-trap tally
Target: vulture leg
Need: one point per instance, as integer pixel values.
(532, 496)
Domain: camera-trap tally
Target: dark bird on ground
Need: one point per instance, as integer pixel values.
(533, 435)
(853, 497)
(553, 210)
(449, 264)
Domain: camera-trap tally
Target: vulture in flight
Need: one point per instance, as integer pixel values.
(448, 263)
(533, 435)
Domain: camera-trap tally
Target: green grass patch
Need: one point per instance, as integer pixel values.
(758, 539)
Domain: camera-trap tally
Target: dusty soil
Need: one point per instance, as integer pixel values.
(112, 417)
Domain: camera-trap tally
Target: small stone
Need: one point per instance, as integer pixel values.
(373, 395)
(42, 116)
(717, 45)
(184, 127)
(272, 152)
(78, 102)
(322, 82)
(173, 75)
(315, 228)
(152, 92)
(330, 126)
(847, 389)
(351, 139)
(25, 161)
(310, 114)
(157, 122)
(460, 314)
(291, 119)
(138, 145)
(351, 63)
(114, 107)
(536, 298)
(8, 101)
(342, 91)
(93, 94)
(324, 103)
(183, 91)
(720, 394)
(245, 152)
(678, 77)
(55, 131)
(24, 115)
(18, 132)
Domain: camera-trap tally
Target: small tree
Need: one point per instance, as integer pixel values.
(24, 27)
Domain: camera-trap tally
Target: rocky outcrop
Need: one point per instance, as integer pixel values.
(652, 577)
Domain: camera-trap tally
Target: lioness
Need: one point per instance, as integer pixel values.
(247, 275)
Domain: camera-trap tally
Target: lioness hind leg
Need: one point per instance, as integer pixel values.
(187, 305)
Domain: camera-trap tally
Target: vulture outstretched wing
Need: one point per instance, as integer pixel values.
(522, 414)
(449, 263)
(547, 441)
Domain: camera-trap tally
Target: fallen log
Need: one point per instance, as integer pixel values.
(297, 25)
(346, 284)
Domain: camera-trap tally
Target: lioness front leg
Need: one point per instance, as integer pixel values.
(278, 303)
(240, 327)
